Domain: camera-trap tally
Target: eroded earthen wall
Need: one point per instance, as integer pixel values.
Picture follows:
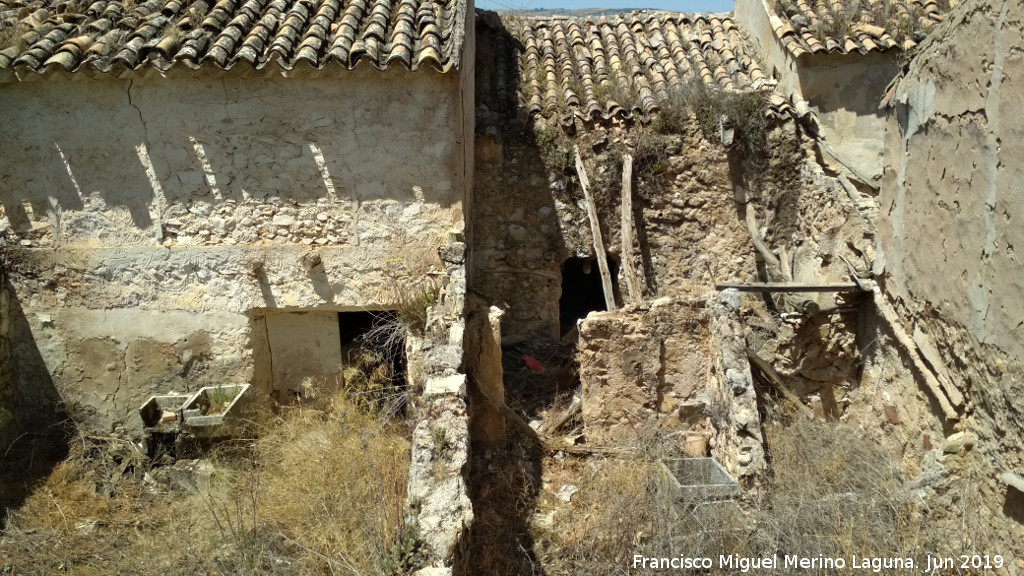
(950, 204)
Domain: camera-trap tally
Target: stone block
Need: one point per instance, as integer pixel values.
(454, 385)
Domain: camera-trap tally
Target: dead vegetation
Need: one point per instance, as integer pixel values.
(319, 491)
(722, 116)
(828, 495)
(836, 20)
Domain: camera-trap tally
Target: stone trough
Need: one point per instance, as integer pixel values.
(698, 479)
(163, 413)
(217, 411)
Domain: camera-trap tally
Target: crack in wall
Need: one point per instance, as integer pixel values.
(142, 149)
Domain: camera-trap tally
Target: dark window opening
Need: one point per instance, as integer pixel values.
(582, 292)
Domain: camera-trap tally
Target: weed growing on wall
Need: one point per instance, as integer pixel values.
(836, 20)
(715, 110)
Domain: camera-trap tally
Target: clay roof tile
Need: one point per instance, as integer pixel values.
(107, 36)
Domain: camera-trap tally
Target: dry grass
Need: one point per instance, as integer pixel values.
(334, 480)
(832, 493)
(321, 491)
(713, 108)
(610, 517)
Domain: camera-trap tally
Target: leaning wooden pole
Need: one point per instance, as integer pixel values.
(595, 228)
(628, 269)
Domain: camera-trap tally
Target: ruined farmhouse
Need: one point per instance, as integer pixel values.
(653, 238)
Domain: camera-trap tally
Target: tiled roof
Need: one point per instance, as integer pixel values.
(616, 67)
(117, 36)
(844, 26)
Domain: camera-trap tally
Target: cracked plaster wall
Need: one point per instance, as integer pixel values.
(845, 91)
(950, 204)
(149, 222)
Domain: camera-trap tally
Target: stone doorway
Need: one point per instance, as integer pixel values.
(581, 290)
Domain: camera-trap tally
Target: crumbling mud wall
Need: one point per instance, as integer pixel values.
(948, 233)
(151, 224)
(647, 368)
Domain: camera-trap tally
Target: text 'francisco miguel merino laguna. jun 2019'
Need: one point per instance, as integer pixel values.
(736, 563)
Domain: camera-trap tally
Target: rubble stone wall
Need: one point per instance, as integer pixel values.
(438, 496)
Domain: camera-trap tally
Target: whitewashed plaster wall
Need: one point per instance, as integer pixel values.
(151, 222)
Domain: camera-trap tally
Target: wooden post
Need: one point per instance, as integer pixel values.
(628, 270)
(595, 228)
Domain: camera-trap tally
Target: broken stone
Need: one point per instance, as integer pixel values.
(566, 491)
(283, 220)
(311, 259)
(455, 385)
(1014, 481)
(433, 571)
(738, 381)
(957, 442)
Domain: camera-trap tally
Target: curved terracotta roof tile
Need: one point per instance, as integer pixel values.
(625, 66)
(111, 36)
(844, 26)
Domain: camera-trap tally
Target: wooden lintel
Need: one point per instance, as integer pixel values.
(791, 287)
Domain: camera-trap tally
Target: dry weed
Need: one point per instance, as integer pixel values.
(832, 493)
(320, 491)
(334, 480)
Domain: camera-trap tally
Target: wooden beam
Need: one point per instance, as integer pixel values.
(791, 287)
(825, 147)
(775, 379)
(888, 313)
(595, 228)
(628, 269)
(771, 262)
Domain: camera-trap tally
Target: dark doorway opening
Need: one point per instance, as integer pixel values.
(352, 326)
(371, 340)
(582, 292)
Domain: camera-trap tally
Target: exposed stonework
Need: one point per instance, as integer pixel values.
(677, 367)
(645, 368)
(438, 498)
(739, 442)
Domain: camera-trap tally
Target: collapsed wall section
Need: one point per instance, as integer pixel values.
(438, 497)
(676, 369)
